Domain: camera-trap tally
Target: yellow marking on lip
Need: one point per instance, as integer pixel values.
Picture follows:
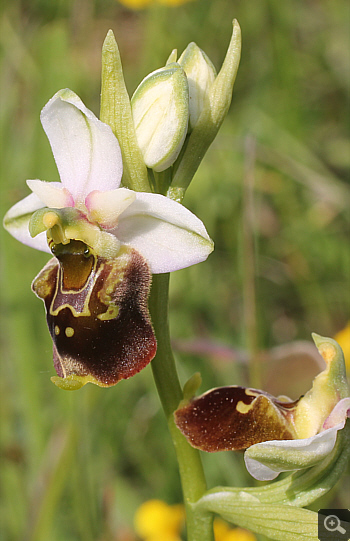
(84, 310)
(111, 313)
(69, 332)
(242, 407)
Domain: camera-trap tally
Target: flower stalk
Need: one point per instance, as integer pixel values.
(199, 523)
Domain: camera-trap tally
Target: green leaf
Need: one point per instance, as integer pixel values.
(280, 522)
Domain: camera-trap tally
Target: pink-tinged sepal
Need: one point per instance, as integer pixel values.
(234, 418)
(97, 314)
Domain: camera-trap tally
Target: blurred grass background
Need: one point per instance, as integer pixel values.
(274, 194)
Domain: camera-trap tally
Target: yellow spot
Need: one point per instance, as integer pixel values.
(50, 219)
(111, 313)
(242, 407)
(328, 352)
(69, 332)
(57, 330)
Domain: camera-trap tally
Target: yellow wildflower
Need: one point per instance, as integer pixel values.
(223, 532)
(155, 520)
(343, 339)
(136, 4)
(141, 4)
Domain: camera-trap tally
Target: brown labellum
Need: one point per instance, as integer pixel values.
(97, 312)
(234, 418)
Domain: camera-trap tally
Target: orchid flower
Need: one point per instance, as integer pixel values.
(277, 434)
(107, 240)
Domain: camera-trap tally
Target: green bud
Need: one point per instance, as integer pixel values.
(214, 111)
(200, 74)
(160, 112)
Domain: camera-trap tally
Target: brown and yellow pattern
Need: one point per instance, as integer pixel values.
(234, 418)
(97, 314)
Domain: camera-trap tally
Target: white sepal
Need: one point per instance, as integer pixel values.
(167, 234)
(16, 221)
(266, 460)
(85, 149)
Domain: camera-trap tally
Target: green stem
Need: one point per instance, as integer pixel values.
(199, 527)
(249, 266)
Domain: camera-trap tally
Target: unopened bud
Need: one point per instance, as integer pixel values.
(200, 74)
(160, 111)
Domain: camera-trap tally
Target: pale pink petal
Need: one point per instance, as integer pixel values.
(52, 194)
(105, 207)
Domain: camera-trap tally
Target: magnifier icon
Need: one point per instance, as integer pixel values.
(332, 524)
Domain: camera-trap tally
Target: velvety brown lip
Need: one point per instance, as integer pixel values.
(98, 320)
(234, 418)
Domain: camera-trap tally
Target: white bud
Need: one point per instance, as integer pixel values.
(160, 111)
(200, 76)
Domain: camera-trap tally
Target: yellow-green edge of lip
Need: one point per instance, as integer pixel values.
(73, 382)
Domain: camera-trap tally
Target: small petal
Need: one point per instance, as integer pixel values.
(266, 460)
(167, 234)
(17, 219)
(105, 207)
(52, 194)
(97, 315)
(85, 149)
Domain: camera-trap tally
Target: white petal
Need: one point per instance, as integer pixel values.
(52, 194)
(16, 222)
(86, 151)
(167, 234)
(105, 207)
(273, 457)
